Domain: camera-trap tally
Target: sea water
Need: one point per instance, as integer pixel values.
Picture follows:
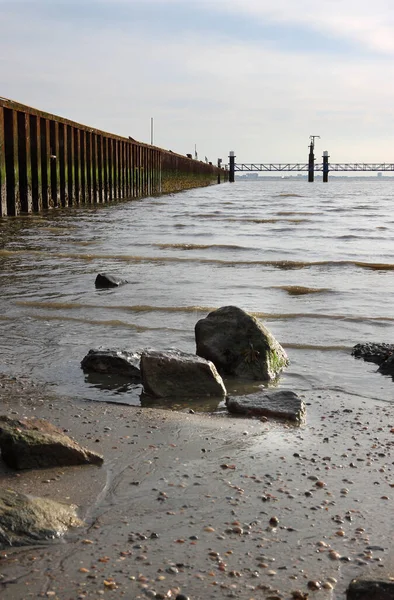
(314, 262)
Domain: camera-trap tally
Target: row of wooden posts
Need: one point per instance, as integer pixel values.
(47, 162)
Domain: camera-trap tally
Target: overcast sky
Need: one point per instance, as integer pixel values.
(254, 76)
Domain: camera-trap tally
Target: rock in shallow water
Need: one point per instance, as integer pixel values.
(282, 404)
(110, 361)
(25, 520)
(239, 345)
(371, 352)
(176, 374)
(35, 443)
(106, 280)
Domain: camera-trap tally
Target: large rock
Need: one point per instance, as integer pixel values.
(112, 362)
(26, 520)
(370, 589)
(35, 443)
(282, 404)
(177, 374)
(239, 345)
(106, 280)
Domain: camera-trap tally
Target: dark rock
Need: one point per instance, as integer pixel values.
(282, 404)
(370, 352)
(239, 345)
(106, 280)
(172, 373)
(112, 362)
(25, 520)
(35, 443)
(387, 367)
(370, 589)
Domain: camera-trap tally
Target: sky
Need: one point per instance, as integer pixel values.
(254, 76)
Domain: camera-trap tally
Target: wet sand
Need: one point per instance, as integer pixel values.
(209, 506)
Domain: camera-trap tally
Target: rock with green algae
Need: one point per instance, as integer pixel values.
(27, 520)
(239, 345)
(35, 443)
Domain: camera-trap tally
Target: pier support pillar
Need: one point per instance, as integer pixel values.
(311, 163)
(232, 166)
(325, 166)
(219, 167)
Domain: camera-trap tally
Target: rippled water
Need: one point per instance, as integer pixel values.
(314, 262)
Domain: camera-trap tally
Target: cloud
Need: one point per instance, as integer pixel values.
(306, 68)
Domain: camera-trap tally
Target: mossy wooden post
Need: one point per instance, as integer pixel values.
(77, 168)
(23, 138)
(45, 162)
(99, 169)
(11, 161)
(70, 166)
(88, 149)
(110, 171)
(94, 168)
(105, 169)
(61, 158)
(82, 145)
(3, 182)
(35, 163)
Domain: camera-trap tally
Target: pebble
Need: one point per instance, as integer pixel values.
(314, 585)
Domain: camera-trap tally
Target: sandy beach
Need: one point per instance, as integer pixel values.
(203, 506)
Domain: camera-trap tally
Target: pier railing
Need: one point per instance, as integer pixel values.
(47, 161)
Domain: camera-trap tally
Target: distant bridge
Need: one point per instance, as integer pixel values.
(317, 167)
(310, 167)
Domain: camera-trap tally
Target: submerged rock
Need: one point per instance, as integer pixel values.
(282, 404)
(370, 352)
(177, 374)
(26, 520)
(387, 367)
(370, 589)
(106, 280)
(112, 362)
(35, 443)
(239, 345)
(380, 354)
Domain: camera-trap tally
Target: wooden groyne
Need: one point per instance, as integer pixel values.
(47, 161)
